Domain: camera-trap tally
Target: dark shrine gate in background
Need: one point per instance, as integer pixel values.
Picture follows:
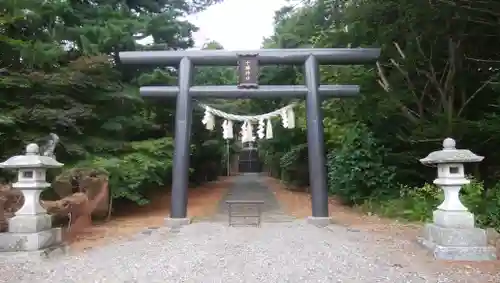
(248, 87)
(248, 159)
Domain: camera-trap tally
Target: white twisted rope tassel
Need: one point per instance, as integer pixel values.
(265, 128)
(243, 118)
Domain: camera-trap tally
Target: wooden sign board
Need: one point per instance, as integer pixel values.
(248, 71)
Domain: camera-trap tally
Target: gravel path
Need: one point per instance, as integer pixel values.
(209, 252)
(213, 252)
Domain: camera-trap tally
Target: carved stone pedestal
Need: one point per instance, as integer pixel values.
(453, 236)
(31, 237)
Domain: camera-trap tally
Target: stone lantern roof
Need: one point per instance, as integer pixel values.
(32, 159)
(449, 154)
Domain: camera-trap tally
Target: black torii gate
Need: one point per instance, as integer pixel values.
(248, 62)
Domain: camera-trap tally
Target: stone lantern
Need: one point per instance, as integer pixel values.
(453, 235)
(31, 227)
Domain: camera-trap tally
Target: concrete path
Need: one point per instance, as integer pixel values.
(250, 186)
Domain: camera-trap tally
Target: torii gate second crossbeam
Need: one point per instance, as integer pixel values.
(248, 87)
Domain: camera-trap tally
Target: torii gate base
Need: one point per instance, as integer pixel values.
(249, 88)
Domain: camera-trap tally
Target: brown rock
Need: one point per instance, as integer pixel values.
(497, 246)
(492, 236)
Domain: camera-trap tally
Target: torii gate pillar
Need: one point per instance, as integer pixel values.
(249, 88)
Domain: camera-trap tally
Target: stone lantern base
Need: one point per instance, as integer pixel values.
(453, 236)
(31, 237)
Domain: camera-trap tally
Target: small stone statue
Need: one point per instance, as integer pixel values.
(50, 146)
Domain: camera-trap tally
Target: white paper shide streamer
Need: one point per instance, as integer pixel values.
(227, 129)
(264, 122)
(261, 131)
(247, 132)
(208, 119)
(250, 136)
(290, 117)
(284, 118)
(269, 129)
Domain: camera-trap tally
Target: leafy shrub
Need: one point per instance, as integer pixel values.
(294, 166)
(207, 158)
(417, 204)
(485, 204)
(356, 170)
(144, 165)
(413, 204)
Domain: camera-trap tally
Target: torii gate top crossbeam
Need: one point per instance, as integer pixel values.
(324, 56)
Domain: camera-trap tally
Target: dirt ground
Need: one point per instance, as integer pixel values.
(298, 204)
(203, 202)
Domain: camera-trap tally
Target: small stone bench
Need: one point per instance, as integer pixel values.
(256, 206)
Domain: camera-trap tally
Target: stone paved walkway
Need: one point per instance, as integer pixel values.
(250, 186)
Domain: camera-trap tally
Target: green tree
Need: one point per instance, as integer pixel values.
(437, 77)
(60, 72)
